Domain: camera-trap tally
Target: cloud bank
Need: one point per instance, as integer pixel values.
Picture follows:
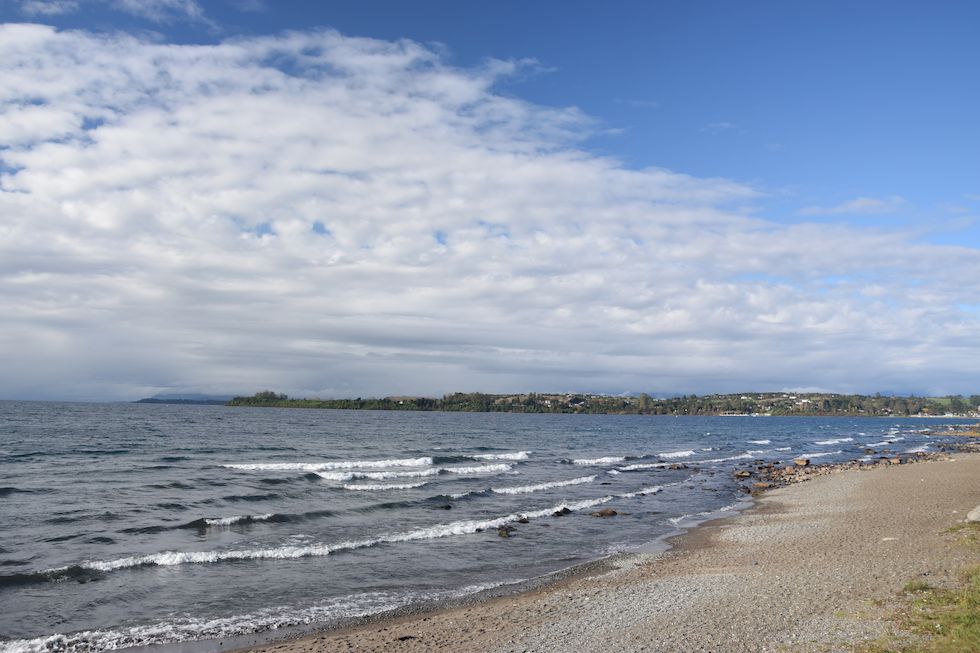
(338, 216)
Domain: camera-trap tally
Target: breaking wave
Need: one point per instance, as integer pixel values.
(607, 460)
(524, 489)
(340, 464)
(834, 441)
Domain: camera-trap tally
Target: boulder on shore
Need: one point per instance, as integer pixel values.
(801, 462)
(973, 515)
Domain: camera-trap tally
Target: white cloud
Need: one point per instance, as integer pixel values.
(48, 7)
(859, 205)
(345, 216)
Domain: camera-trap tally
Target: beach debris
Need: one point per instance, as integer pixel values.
(802, 462)
(605, 512)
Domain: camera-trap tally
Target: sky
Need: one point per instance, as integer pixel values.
(373, 198)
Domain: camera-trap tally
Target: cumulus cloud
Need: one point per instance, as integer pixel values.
(337, 216)
(859, 205)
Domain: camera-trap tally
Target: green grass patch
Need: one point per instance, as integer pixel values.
(945, 621)
(914, 586)
(966, 534)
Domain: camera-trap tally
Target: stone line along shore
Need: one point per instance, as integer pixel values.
(810, 567)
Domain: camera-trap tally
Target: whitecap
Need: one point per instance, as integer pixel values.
(380, 487)
(834, 441)
(517, 455)
(607, 460)
(340, 464)
(759, 441)
(228, 521)
(524, 489)
(677, 454)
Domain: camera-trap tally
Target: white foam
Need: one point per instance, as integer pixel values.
(653, 489)
(228, 521)
(821, 454)
(379, 487)
(921, 449)
(607, 460)
(677, 454)
(834, 441)
(414, 473)
(517, 455)
(524, 489)
(784, 448)
(340, 464)
(759, 441)
(638, 466)
(741, 456)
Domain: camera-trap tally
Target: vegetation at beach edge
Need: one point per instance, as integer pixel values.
(756, 403)
(937, 620)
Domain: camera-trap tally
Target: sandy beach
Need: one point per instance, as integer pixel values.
(810, 567)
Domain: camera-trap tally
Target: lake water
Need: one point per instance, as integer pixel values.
(133, 524)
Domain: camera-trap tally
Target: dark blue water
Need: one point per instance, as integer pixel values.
(138, 524)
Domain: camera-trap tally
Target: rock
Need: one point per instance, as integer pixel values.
(505, 531)
(762, 485)
(523, 520)
(445, 506)
(789, 470)
(973, 515)
(895, 461)
(743, 474)
(605, 512)
(561, 513)
(802, 462)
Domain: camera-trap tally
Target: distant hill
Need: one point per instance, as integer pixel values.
(186, 398)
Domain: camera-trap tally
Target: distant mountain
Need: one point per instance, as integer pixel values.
(185, 398)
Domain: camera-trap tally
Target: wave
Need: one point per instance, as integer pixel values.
(238, 519)
(517, 455)
(834, 441)
(759, 441)
(172, 558)
(377, 487)
(638, 466)
(677, 454)
(524, 489)
(607, 460)
(340, 464)
(419, 473)
(878, 444)
(784, 448)
(822, 454)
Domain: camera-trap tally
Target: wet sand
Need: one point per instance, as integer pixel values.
(798, 571)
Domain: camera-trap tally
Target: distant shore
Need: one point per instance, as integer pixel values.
(811, 566)
(766, 404)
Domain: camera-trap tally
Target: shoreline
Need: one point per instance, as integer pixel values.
(518, 617)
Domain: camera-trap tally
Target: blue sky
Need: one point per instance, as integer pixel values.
(771, 131)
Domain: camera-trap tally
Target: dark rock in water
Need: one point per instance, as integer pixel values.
(605, 512)
(505, 531)
(561, 513)
(523, 520)
(742, 473)
(445, 506)
(605, 483)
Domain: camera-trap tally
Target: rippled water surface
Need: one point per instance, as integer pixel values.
(131, 524)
